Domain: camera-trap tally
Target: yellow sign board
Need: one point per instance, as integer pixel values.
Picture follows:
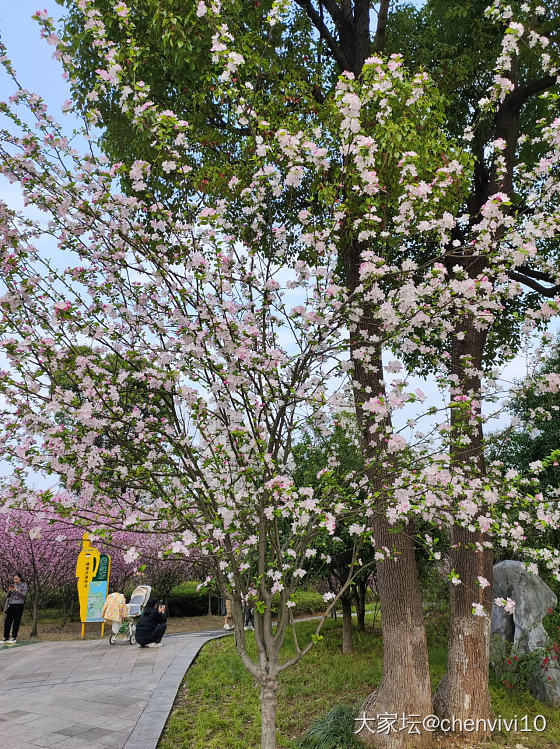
(92, 572)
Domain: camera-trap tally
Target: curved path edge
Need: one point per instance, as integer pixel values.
(149, 727)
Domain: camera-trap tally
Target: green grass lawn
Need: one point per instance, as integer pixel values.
(218, 706)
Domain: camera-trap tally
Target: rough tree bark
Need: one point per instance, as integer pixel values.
(405, 686)
(347, 642)
(360, 592)
(463, 692)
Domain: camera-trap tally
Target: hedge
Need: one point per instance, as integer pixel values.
(185, 600)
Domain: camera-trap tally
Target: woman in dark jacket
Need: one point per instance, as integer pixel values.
(13, 608)
(151, 625)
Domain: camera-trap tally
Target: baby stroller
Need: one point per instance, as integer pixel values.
(127, 630)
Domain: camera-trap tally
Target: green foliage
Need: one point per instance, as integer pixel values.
(436, 619)
(457, 45)
(516, 670)
(538, 433)
(535, 438)
(185, 600)
(174, 59)
(333, 731)
(307, 602)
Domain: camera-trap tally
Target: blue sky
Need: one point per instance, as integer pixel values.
(32, 56)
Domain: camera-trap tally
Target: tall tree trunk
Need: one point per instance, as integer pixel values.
(464, 689)
(347, 643)
(463, 692)
(268, 714)
(360, 591)
(405, 686)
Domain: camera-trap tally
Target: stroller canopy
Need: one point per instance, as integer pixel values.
(138, 599)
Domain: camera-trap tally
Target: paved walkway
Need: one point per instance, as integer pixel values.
(91, 695)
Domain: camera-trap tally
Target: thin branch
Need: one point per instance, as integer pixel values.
(326, 35)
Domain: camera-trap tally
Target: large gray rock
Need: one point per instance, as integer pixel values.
(524, 627)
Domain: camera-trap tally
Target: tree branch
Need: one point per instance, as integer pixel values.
(324, 32)
(518, 97)
(381, 30)
(538, 274)
(334, 10)
(548, 291)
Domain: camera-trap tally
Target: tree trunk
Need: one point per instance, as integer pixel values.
(360, 591)
(268, 714)
(35, 618)
(347, 644)
(405, 686)
(463, 692)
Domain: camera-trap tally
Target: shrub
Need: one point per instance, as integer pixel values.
(516, 670)
(307, 602)
(334, 731)
(185, 600)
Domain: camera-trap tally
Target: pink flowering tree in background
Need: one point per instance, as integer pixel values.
(163, 363)
(44, 550)
(44, 546)
(146, 558)
(135, 557)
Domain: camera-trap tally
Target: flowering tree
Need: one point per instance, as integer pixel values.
(201, 327)
(142, 558)
(329, 36)
(239, 348)
(237, 338)
(44, 550)
(44, 546)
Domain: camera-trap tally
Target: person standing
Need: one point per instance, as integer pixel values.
(249, 607)
(13, 608)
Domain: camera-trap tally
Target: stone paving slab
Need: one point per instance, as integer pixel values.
(78, 694)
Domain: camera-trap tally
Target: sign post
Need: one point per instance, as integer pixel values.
(92, 571)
